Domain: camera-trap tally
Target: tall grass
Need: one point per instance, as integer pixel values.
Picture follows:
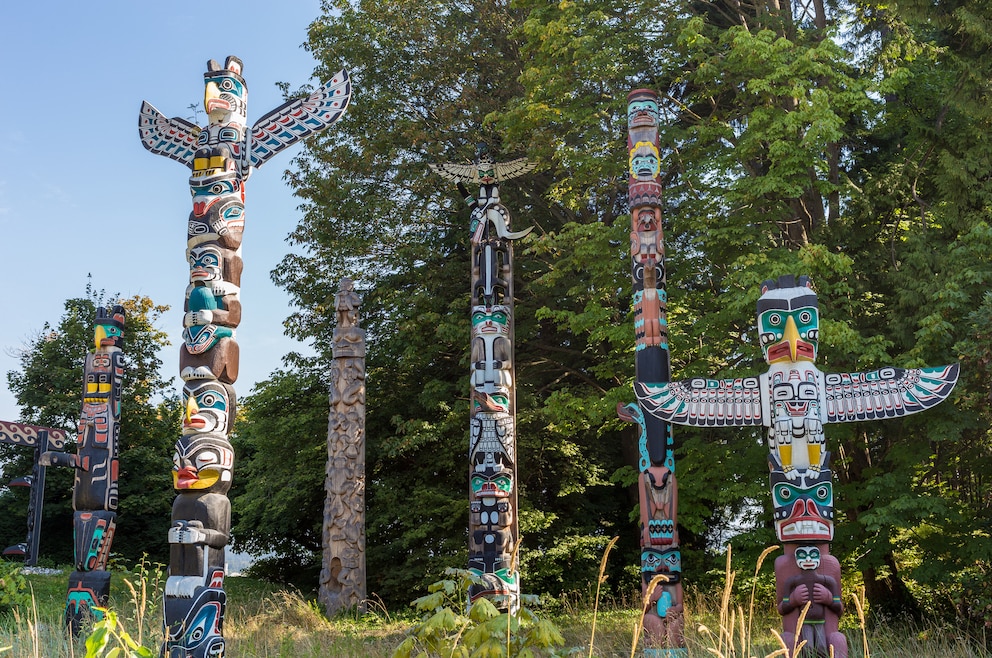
(264, 621)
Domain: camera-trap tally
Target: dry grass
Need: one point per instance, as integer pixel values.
(264, 621)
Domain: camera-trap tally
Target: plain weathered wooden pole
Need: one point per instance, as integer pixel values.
(342, 578)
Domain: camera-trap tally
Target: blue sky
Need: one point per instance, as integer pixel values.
(79, 194)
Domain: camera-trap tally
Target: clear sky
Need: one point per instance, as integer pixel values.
(80, 195)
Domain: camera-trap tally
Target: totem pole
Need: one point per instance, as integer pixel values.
(793, 400)
(221, 156)
(41, 439)
(342, 578)
(94, 491)
(492, 528)
(657, 487)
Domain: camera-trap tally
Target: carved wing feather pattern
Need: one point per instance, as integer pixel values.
(174, 138)
(464, 173)
(299, 118)
(703, 402)
(27, 435)
(469, 173)
(513, 168)
(887, 393)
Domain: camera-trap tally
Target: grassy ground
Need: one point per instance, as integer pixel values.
(265, 621)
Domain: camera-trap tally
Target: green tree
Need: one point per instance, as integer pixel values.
(857, 157)
(48, 389)
(281, 443)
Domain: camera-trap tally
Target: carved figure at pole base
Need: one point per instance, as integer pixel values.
(809, 575)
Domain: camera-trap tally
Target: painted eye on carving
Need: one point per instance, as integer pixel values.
(775, 319)
(823, 492)
(805, 317)
(226, 84)
(783, 493)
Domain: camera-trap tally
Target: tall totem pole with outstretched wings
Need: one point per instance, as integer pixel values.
(221, 156)
(793, 400)
(492, 528)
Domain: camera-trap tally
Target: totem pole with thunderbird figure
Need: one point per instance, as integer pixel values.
(793, 400)
(493, 531)
(221, 156)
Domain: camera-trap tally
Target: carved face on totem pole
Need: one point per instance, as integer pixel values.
(109, 328)
(808, 558)
(225, 94)
(209, 406)
(803, 505)
(788, 322)
(203, 463)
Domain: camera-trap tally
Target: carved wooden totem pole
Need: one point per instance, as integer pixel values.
(95, 492)
(221, 156)
(342, 578)
(657, 487)
(793, 400)
(492, 528)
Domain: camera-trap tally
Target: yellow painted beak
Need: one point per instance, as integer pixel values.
(791, 334)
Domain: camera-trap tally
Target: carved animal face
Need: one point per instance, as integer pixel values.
(788, 320)
(803, 506)
(203, 463)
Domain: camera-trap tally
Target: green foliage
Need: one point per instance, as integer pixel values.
(48, 390)
(109, 639)
(481, 631)
(857, 156)
(281, 442)
(13, 586)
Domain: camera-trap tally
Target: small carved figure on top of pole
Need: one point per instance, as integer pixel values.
(221, 156)
(342, 578)
(793, 400)
(492, 531)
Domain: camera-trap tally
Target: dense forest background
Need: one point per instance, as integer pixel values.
(846, 141)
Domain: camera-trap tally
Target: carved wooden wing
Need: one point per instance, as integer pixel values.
(174, 138)
(703, 402)
(513, 168)
(464, 173)
(886, 393)
(299, 118)
(469, 173)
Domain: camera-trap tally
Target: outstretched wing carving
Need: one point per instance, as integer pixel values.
(464, 173)
(887, 393)
(299, 118)
(469, 173)
(703, 402)
(174, 138)
(513, 168)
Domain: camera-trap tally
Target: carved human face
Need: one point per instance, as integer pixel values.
(208, 406)
(808, 558)
(645, 163)
(642, 111)
(203, 463)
